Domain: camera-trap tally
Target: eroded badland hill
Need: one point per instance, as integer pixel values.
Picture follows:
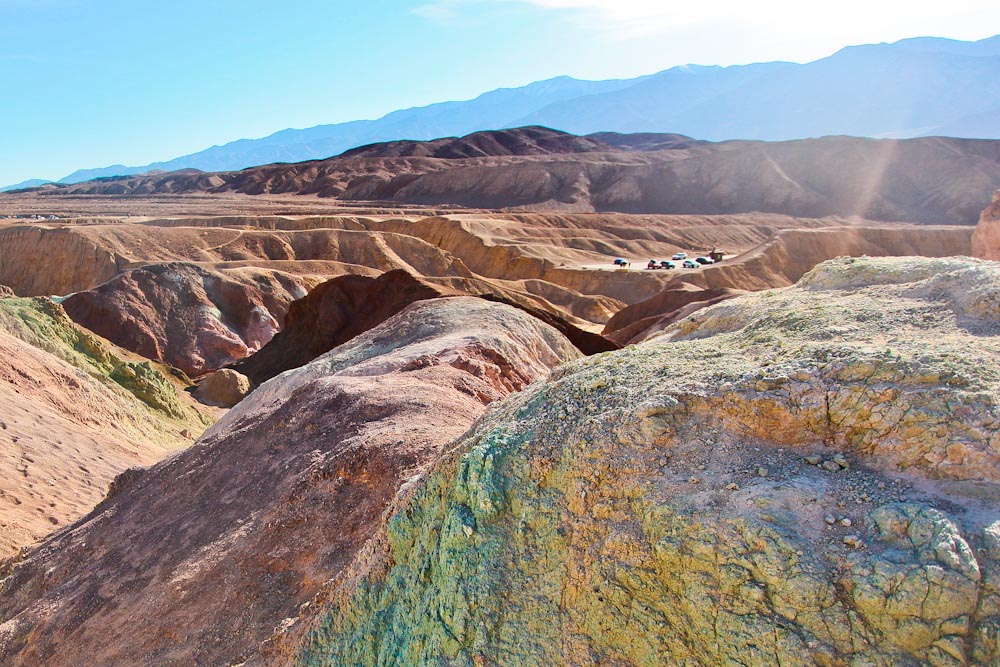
(465, 436)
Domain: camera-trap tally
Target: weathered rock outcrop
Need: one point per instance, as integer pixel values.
(196, 560)
(187, 316)
(799, 476)
(986, 239)
(74, 412)
(224, 388)
(341, 308)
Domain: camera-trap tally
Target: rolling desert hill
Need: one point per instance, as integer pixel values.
(914, 87)
(76, 412)
(931, 180)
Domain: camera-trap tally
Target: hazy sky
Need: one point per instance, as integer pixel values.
(93, 83)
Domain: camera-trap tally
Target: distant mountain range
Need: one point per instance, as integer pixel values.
(929, 179)
(916, 87)
(32, 183)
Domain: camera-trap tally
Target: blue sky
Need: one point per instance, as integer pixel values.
(92, 83)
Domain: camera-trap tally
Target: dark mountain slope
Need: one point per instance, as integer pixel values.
(931, 180)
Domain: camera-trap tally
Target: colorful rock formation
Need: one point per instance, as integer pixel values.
(800, 476)
(192, 318)
(196, 560)
(74, 412)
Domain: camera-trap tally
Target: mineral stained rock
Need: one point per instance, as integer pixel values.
(224, 388)
(616, 515)
(74, 412)
(189, 317)
(196, 560)
(986, 238)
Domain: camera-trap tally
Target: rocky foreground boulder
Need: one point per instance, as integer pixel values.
(801, 476)
(224, 388)
(196, 560)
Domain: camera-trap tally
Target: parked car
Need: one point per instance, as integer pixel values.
(667, 265)
(652, 264)
(690, 264)
(680, 255)
(704, 260)
(621, 261)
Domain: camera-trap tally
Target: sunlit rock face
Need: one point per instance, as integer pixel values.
(801, 476)
(986, 238)
(196, 560)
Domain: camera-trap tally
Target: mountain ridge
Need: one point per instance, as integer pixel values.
(637, 105)
(931, 180)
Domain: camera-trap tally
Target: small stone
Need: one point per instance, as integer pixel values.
(701, 467)
(851, 540)
(813, 459)
(694, 480)
(831, 466)
(761, 471)
(732, 486)
(829, 519)
(845, 522)
(467, 530)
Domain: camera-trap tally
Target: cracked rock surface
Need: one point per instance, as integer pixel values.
(803, 476)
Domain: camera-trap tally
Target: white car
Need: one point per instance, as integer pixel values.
(680, 255)
(690, 264)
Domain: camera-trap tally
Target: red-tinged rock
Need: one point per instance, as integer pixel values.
(185, 315)
(198, 559)
(986, 238)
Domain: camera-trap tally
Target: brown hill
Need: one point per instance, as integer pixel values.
(493, 143)
(196, 560)
(928, 180)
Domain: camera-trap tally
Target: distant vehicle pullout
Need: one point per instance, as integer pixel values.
(663, 264)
